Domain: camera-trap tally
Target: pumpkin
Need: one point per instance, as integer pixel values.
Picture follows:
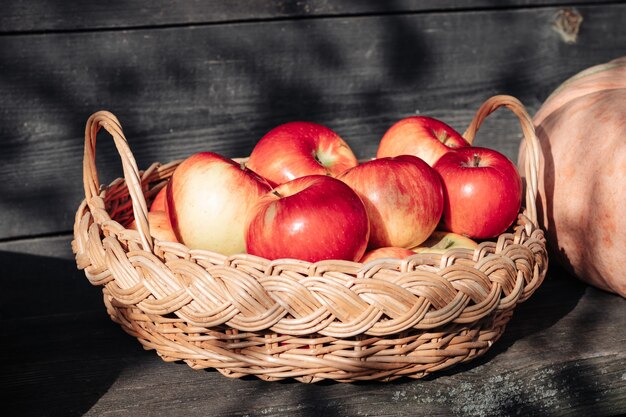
(582, 175)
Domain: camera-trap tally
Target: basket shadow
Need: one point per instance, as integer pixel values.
(59, 349)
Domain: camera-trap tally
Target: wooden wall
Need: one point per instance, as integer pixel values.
(212, 75)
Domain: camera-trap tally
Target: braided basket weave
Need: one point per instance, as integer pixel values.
(337, 320)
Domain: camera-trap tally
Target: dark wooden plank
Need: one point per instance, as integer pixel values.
(54, 247)
(562, 354)
(61, 365)
(220, 88)
(39, 278)
(40, 15)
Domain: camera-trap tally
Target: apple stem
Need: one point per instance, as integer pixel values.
(277, 194)
(317, 158)
(476, 160)
(441, 136)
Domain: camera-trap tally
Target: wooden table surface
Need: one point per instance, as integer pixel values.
(213, 76)
(563, 353)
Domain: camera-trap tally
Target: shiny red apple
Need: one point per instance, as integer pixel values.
(483, 192)
(311, 218)
(296, 149)
(421, 136)
(403, 197)
(208, 200)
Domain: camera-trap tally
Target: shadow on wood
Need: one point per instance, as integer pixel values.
(34, 285)
(60, 351)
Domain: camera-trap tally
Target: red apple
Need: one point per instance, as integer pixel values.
(208, 199)
(160, 200)
(312, 218)
(483, 192)
(158, 217)
(160, 227)
(421, 136)
(403, 197)
(386, 252)
(297, 149)
(441, 241)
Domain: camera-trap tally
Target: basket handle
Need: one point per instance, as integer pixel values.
(531, 163)
(131, 173)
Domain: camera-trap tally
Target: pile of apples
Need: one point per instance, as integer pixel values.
(303, 194)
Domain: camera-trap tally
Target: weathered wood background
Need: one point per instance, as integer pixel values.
(216, 76)
(211, 75)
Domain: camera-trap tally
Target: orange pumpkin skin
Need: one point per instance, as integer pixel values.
(582, 175)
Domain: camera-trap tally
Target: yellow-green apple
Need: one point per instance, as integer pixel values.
(312, 218)
(386, 252)
(482, 189)
(208, 199)
(403, 197)
(296, 149)
(441, 241)
(421, 136)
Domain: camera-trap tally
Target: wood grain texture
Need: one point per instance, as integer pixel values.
(40, 15)
(220, 88)
(562, 354)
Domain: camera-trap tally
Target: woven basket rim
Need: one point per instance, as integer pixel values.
(286, 302)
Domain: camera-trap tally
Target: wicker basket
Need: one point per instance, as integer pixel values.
(337, 320)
